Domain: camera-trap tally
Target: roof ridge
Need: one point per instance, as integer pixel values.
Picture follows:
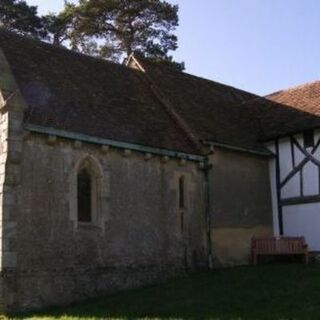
(232, 89)
(61, 48)
(220, 83)
(124, 66)
(296, 87)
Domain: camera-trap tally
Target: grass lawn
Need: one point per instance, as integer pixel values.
(263, 292)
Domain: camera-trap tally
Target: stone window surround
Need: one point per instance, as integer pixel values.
(189, 188)
(99, 196)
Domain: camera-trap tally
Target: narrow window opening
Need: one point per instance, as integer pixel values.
(84, 196)
(181, 193)
(182, 220)
(308, 139)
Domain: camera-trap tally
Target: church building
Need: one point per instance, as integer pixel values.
(117, 176)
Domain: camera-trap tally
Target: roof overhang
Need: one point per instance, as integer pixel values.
(113, 143)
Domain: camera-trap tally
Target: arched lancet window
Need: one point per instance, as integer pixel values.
(181, 192)
(87, 193)
(182, 201)
(84, 195)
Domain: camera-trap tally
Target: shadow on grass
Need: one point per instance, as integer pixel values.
(264, 292)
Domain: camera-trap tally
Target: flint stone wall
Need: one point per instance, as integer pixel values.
(138, 239)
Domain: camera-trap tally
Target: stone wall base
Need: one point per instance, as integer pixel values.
(32, 290)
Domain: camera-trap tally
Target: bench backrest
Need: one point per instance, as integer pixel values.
(278, 245)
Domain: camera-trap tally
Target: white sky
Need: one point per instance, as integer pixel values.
(45, 6)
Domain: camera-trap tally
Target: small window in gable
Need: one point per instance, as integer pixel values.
(84, 196)
(308, 138)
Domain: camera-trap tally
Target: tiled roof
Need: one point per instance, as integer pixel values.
(213, 110)
(293, 110)
(305, 97)
(80, 94)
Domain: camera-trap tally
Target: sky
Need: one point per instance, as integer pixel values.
(260, 46)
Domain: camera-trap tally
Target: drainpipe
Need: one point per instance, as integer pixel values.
(206, 170)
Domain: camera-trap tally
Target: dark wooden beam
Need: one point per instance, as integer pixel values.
(306, 153)
(300, 200)
(308, 157)
(279, 188)
(301, 183)
(294, 171)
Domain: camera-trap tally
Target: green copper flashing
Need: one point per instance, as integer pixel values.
(235, 148)
(113, 143)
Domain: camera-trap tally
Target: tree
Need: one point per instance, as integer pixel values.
(59, 26)
(18, 16)
(169, 62)
(121, 27)
(111, 29)
(56, 26)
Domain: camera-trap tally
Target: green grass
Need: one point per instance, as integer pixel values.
(264, 292)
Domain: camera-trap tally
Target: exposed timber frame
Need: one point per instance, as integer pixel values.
(280, 216)
(297, 168)
(308, 157)
(300, 200)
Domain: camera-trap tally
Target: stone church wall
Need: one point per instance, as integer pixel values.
(141, 231)
(140, 234)
(12, 107)
(240, 204)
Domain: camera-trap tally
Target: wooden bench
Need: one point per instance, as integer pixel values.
(278, 246)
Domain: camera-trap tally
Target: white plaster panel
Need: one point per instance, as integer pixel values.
(303, 220)
(285, 158)
(298, 155)
(271, 147)
(316, 135)
(310, 179)
(317, 153)
(299, 138)
(291, 188)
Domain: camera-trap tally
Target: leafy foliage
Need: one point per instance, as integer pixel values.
(129, 25)
(18, 16)
(111, 29)
(169, 62)
(58, 25)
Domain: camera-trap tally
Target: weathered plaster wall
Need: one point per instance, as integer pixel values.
(231, 246)
(240, 204)
(138, 239)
